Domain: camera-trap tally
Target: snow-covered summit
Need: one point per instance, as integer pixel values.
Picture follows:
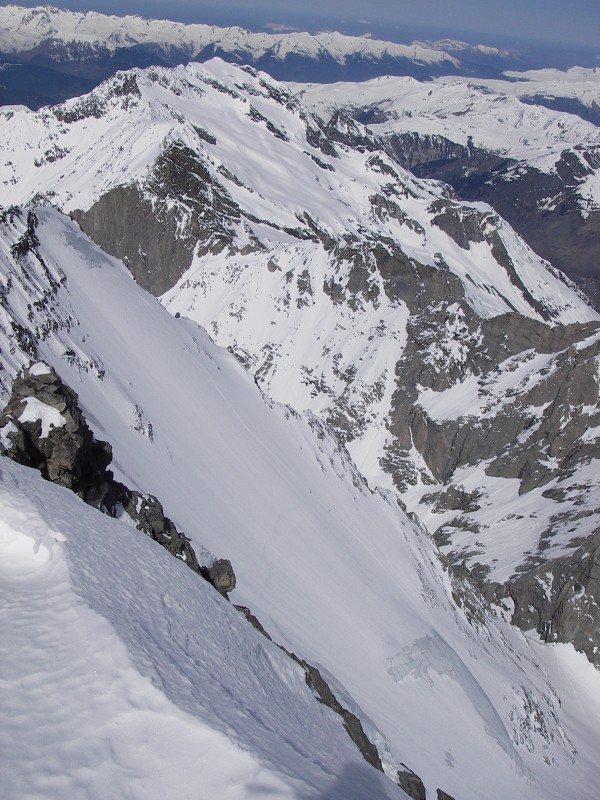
(275, 180)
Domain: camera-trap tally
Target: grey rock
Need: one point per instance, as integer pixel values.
(155, 237)
(522, 195)
(410, 782)
(222, 576)
(441, 795)
(559, 598)
(68, 455)
(147, 512)
(253, 620)
(352, 724)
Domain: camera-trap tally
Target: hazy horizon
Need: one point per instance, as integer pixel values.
(544, 22)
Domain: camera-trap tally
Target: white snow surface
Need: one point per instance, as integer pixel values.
(577, 83)
(124, 675)
(336, 573)
(24, 28)
(48, 416)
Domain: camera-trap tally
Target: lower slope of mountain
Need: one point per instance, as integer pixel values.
(336, 573)
(510, 143)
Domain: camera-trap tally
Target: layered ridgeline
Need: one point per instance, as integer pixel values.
(459, 368)
(49, 54)
(528, 145)
(155, 682)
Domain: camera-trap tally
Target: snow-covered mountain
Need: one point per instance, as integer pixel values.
(143, 132)
(495, 140)
(89, 33)
(575, 90)
(485, 114)
(155, 679)
(434, 341)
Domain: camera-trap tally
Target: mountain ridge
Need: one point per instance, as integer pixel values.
(366, 296)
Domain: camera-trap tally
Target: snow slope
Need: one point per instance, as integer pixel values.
(339, 575)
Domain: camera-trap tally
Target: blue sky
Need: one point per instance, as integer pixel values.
(570, 21)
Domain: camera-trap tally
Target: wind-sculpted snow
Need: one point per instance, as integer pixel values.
(337, 574)
(125, 676)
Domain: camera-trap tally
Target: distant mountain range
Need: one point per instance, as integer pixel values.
(49, 53)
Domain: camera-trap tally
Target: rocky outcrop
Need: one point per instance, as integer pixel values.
(155, 237)
(43, 427)
(352, 724)
(559, 598)
(222, 576)
(539, 432)
(410, 782)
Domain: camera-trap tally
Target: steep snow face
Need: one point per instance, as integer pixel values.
(487, 114)
(339, 575)
(25, 28)
(125, 675)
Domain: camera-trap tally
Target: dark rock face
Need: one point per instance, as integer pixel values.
(148, 514)
(410, 782)
(42, 427)
(441, 795)
(155, 237)
(560, 599)
(413, 150)
(536, 436)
